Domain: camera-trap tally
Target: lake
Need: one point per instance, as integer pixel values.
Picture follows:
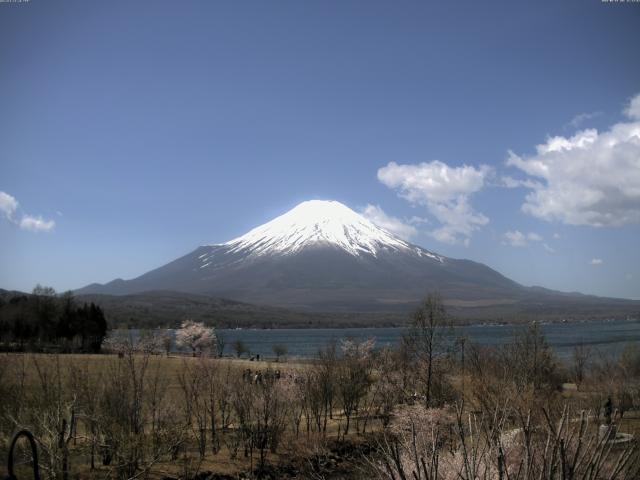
(606, 337)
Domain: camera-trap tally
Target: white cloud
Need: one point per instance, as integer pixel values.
(8, 205)
(36, 224)
(629, 276)
(516, 238)
(581, 118)
(415, 220)
(633, 108)
(556, 236)
(548, 248)
(590, 178)
(510, 182)
(445, 191)
(392, 224)
(596, 261)
(534, 237)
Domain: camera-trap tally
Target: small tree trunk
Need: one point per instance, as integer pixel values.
(429, 376)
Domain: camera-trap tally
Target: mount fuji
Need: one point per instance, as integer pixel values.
(323, 256)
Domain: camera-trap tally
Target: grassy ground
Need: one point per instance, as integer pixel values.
(171, 367)
(292, 450)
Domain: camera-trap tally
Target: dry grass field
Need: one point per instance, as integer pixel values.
(32, 380)
(346, 414)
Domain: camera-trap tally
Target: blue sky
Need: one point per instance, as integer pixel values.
(132, 132)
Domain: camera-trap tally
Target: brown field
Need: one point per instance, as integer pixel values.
(342, 415)
(23, 369)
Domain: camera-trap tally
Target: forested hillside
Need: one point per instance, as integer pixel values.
(43, 321)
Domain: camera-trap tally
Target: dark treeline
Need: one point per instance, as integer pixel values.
(44, 321)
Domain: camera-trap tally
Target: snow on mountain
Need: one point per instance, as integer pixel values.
(320, 222)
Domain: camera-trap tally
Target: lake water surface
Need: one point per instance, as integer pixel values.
(606, 337)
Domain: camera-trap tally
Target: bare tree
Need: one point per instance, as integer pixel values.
(262, 410)
(436, 444)
(280, 350)
(240, 348)
(192, 380)
(530, 360)
(353, 376)
(426, 338)
(54, 416)
(167, 342)
(580, 357)
(386, 389)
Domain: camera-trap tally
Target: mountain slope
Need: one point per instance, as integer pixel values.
(323, 256)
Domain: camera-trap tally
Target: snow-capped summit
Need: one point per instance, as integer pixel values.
(317, 222)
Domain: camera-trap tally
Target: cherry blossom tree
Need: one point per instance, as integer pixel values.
(196, 336)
